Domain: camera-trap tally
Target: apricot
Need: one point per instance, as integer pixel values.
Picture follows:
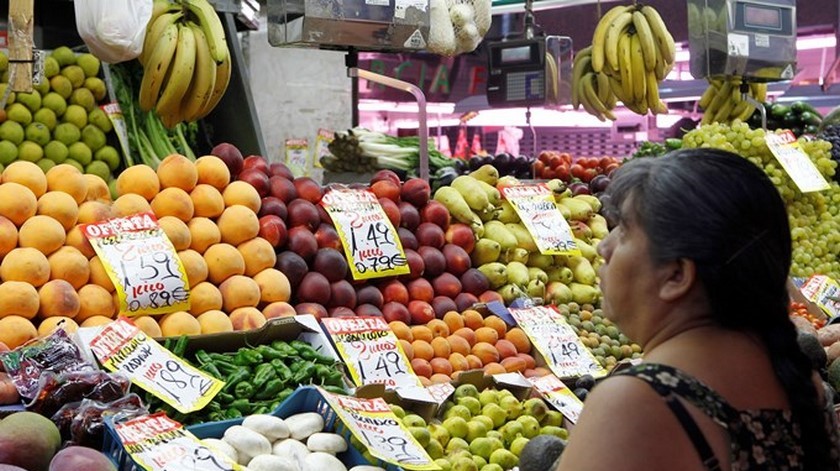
(459, 362)
(541, 371)
(8, 236)
(258, 255)
(421, 332)
(214, 322)
(148, 325)
(99, 276)
(496, 323)
(441, 366)
(453, 320)
(58, 298)
(528, 359)
(42, 233)
(17, 202)
(273, 285)
(179, 323)
(69, 179)
(247, 318)
(96, 321)
(242, 193)
(27, 174)
(212, 171)
(94, 211)
(129, 205)
(194, 265)
(76, 239)
(207, 201)
(239, 291)
(486, 352)
(238, 224)
(473, 319)
(16, 331)
(223, 261)
(494, 368)
(59, 206)
(438, 378)
(422, 368)
(512, 364)
(95, 300)
(438, 328)
(204, 297)
(25, 264)
(173, 202)
(474, 362)
(519, 339)
(204, 233)
(467, 334)
(278, 309)
(177, 232)
(139, 180)
(18, 299)
(51, 324)
(177, 171)
(407, 349)
(423, 349)
(486, 334)
(401, 330)
(97, 189)
(441, 347)
(506, 348)
(68, 264)
(458, 344)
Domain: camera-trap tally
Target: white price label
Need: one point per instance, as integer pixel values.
(115, 115)
(796, 162)
(538, 211)
(440, 392)
(562, 398)
(824, 292)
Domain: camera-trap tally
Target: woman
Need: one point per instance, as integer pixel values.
(695, 272)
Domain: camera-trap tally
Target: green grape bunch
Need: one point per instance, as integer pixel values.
(814, 217)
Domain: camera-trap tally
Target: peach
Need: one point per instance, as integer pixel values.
(16, 331)
(238, 224)
(441, 347)
(204, 297)
(242, 193)
(512, 364)
(8, 236)
(541, 371)
(506, 348)
(96, 321)
(421, 332)
(453, 320)
(459, 362)
(139, 180)
(176, 231)
(420, 366)
(207, 201)
(496, 323)
(486, 352)
(423, 349)
(439, 378)
(473, 319)
(203, 234)
(529, 360)
(179, 323)
(59, 206)
(438, 328)
(247, 318)
(58, 298)
(425, 382)
(94, 211)
(17, 202)
(273, 285)
(194, 265)
(223, 261)
(468, 335)
(519, 339)
(494, 368)
(68, 264)
(97, 188)
(258, 255)
(51, 324)
(68, 179)
(212, 171)
(130, 204)
(401, 330)
(407, 349)
(239, 291)
(76, 239)
(173, 202)
(441, 366)
(458, 344)
(177, 171)
(27, 265)
(214, 322)
(474, 361)
(279, 309)
(487, 335)
(455, 375)
(19, 299)
(94, 300)
(99, 276)
(27, 174)
(148, 325)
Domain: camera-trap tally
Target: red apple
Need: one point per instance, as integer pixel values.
(273, 229)
(257, 162)
(457, 259)
(435, 213)
(461, 235)
(282, 188)
(415, 264)
(421, 290)
(342, 293)
(407, 239)
(327, 237)
(368, 310)
(369, 294)
(421, 312)
(385, 175)
(409, 216)
(341, 311)
(303, 213)
(330, 263)
(395, 311)
(308, 189)
(442, 305)
(281, 170)
(394, 291)
(230, 155)
(391, 210)
(386, 189)
(314, 288)
(302, 242)
(275, 206)
(256, 178)
(416, 191)
(430, 235)
(317, 310)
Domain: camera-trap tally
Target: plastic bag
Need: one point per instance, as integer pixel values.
(57, 390)
(113, 30)
(83, 423)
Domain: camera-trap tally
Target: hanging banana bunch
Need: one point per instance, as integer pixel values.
(632, 51)
(723, 102)
(186, 62)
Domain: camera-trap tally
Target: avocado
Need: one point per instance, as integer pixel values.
(541, 453)
(813, 349)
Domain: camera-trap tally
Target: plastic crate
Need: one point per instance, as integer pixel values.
(304, 399)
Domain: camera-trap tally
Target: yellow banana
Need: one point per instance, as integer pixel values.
(722, 115)
(552, 87)
(663, 38)
(759, 91)
(209, 21)
(584, 98)
(618, 90)
(708, 95)
(582, 65)
(154, 32)
(625, 67)
(603, 87)
(157, 66)
(652, 94)
(645, 35)
(614, 33)
(637, 69)
(592, 98)
(599, 37)
(747, 112)
(722, 96)
(223, 71)
(180, 76)
(204, 77)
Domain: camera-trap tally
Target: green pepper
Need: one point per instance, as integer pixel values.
(235, 378)
(261, 410)
(180, 347)
(247, 357)
(304, 373)
(322, 372)
(283, 371)
(233, 413)
(284, 348)
(225, 398)
(225, 368)
(335, 389)
(297, 365)
(308, 353)
(242, 405)
(271, 354)
(203, 357)
(284, 394)
(270, 390)
(217, 416)
(243, 389)
(212, 370)
(335, 378)
(263, 374)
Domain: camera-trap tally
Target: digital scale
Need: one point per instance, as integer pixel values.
(529, 72)
(752, 39)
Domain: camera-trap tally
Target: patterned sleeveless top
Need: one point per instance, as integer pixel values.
(764, 439)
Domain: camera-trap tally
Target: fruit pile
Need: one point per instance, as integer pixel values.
(800, 310)
(723, 101)
(588, 170)
(50, 272)
(60, 121)
(631, 52)
(484, 431)
(814, 220)
(443, 348)
(599, 334)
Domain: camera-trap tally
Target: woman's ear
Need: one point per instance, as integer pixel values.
(678, 279)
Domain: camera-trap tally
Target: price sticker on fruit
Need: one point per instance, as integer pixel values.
(157, 443)
(142, 263)
(122, 347)
(369, 239)
(373, 423)
(562, 349)
(371, 351)
(796, 162)
(562, 398)
(535, 206)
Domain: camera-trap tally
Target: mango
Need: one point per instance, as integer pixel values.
(28, 440)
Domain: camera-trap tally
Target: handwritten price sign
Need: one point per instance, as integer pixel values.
(371, 351)
(157, 443)
(122, 346)
(537, 209)
(796, 162)
(565, 354)
(142, 263)
(824, 292)
(369, 239)
(372, 422)
(562, 398)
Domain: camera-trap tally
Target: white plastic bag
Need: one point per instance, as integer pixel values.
(113, 30)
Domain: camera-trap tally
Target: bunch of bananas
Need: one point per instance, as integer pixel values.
(723, 101)
(631, 52)
(186, 62)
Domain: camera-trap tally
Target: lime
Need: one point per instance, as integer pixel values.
(56, 151)
(100, 169)
(45, 164)
(12, 131)
(28, 150)
(8, 152)
(109, 155)
(80, 152)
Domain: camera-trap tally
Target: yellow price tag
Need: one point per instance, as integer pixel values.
(796, 162)
(557, 394)
(824, 292)
(538, 211)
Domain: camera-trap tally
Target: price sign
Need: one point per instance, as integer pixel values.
(158, 443)
(824, 292)
(121, 346)
(115, 115)
(371, 351)
(562, 398)
(537, 209)
(297, 156)
(565, 354)
(440, 392)
(369, 239)
(142, 263)
(796, 162)
(322, 147)
(372, 422)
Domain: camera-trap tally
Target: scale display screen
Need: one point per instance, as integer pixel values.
(762, 17)
(515, 55)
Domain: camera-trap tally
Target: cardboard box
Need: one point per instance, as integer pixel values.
(797, 296)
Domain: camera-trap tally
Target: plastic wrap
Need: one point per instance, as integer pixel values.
(56, 390)
(113, 30)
